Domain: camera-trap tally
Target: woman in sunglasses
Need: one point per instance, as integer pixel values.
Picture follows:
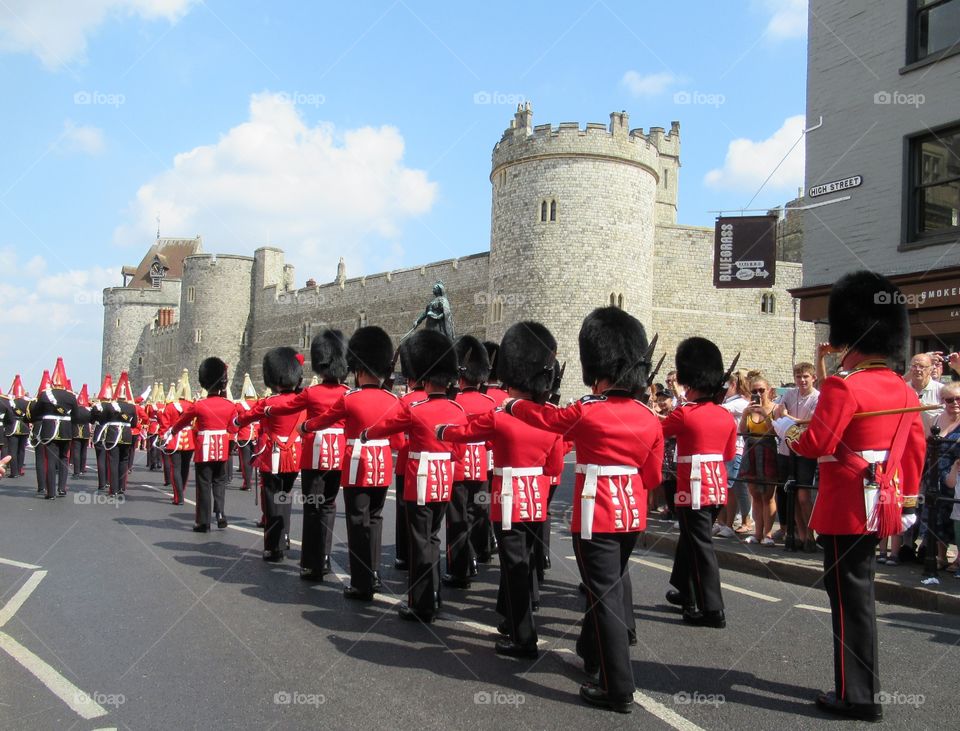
(760, 474)
(948, 423)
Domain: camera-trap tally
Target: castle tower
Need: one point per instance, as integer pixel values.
(573, 223)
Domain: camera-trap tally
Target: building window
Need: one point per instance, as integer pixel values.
(362, 319)
(666, 179)
(118, 322)
(620, 300)
(139, 360)
(613, 300)
(243, 338)
(543, 211)
(305, 335)
(496, 310)
(197, 335)
(553, 210)
(935, 184)
(935, 27)
(191, 294)
(768, 304)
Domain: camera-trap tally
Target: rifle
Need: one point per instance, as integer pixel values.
(726, 379)
(647, 358)
(554, 397)
(484, 386)
(387, 383)
(653, 374)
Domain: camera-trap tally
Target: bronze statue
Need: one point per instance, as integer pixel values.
(438, 314)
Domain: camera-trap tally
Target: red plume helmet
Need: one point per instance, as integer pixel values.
(60, 379)
(83, 398)
(122, 391)
(16, 389)
(45, 382)
(106, 390)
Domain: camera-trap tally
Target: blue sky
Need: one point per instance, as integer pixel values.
(334, 129)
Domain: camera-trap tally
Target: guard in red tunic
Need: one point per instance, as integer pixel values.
(246, 439)
(140, 430)
(212, 422)
(484, 538)
(367, 467)
(469, 498)
(98, 423)
(870, 472)
(53, 410)
(429, 358)
(180, 446)
(402, 443)
(278, 457)
(706, 438)
(619, 447)
(321, 456)
(524, 460)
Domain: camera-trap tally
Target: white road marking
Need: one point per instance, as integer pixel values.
(17, 564)
(812, 608)
(485, 628)
(17, 600)
(728, 587)
(892, 622)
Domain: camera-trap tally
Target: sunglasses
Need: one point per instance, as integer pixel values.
(951, 400)
(759, 391)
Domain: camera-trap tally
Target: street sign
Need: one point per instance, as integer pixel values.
(854, 181)
(745, 252)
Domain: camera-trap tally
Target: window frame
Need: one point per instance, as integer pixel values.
(913, 58)
(911, 237)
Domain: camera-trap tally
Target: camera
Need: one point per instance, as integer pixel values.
(755, 399)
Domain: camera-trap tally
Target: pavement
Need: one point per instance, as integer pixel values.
(114, 614)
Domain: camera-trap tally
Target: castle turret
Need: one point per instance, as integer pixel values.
(573, 218)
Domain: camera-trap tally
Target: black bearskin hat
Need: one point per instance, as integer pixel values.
(867, 312)
(613, 346)
(428, 356)
(328, 355)
(282, 369)
(370, 350)
(473, 360)
(213, 375)
(527, 356)
(493, 355)
(700, 366)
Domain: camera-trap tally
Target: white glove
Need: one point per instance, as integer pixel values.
(907, 521)
(781, 425)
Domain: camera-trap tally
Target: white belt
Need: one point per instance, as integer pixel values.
(588, 496)
(873, 456)
(206, 444)
(425, 458)
(275, 454)
(696, 474)
(316, 442)
(55, 417)
(358, 447)
(506, 490)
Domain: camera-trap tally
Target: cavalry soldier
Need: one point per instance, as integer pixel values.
(246, 438)
(116, 419)
(367, 467)
(870, 471)
(278, 456)
(81, 433)
(470, 475)
(524, 459)
(53, 410)
(414, 393)
(619, 447)
(97, 423)
(16, 428)
(180, 447)
(321, 458)
(706, 438)
(212, 421)
(430, 359)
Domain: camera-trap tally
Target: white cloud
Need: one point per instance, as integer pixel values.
(313, 191)
(57, 31)
(647, 84)
(749, 162)
(788, 18)
(80, 138)
(59, 313)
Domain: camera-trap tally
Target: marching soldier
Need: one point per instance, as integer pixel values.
(97, 424)
(81, 433)
(484, 537)
(153, 409)
(16, 428)
(430, 358)
(402, 540)
(468, 500)
(278, 457)
(619, 447)
(117, 417)
(706, 438)
(321, 458)
(367, 466)
(246, 438)
(524, 458)
(53, 411)
(212, 421)
(869, 474)
(180, 447)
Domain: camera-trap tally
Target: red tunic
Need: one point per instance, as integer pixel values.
(619, 446)
(278, 448)
(141, 420)
(249, 432)
(181, 441)
(364, 465)
(474, 465)
(498, 395)
(430, 463)
(402, 441)
(706, 438)
(214, 423)
(840, 508)
(153, 427)
(322, 449)
(524, 456)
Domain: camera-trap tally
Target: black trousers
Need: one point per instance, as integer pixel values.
(78, 456)
(101, 454)
(849, 565)
(423, 576)
(180, 471)
(16, 448)
(604, 568)
(463, 513)
(52, 462)
(319, 513)
(402, 543)
(517, 578)
(364, 509)
(482, 536)
(167, 471)
(231, 450)
(276, 507)
(696, 574)
(154, 456)
(118, 466)
(211, 480)
(246, 466)
(541, 549)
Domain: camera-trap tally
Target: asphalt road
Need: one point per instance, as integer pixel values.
(119, 616)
